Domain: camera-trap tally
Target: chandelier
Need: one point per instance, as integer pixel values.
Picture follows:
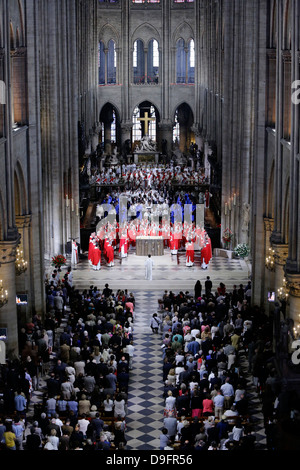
(21, 264)
(270, 261)
(3, 295)
(282, 292)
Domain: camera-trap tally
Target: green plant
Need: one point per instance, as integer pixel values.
(242, 250)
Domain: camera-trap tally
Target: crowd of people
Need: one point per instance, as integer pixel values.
(135, 176)
(79, 360)
(208, 336)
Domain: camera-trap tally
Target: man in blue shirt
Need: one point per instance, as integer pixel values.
(20, 403)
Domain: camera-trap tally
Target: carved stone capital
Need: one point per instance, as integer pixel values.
(281, 253)
(293, 284)
(126, 126)
(8, 251)
(269, 224)
(286, 56)
(166, 126)
(23, 221)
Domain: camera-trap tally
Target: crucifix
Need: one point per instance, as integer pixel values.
(146, 120)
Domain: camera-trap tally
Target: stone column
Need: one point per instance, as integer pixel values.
(293, 286)
(8, 313)
(269, 278)
(280, 256)
(166, 132)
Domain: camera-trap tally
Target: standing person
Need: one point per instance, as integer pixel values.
(18, 428)
(190, 254)
(74, 255)
(9, 438)
(208, 285)
(197, 289)
(155, 323)
(148, 268)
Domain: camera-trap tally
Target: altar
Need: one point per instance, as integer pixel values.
(153, 246)
(146, 157)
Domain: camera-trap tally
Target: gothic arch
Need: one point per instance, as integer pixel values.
(183, 31)
(179, 105)
(287, 25)
(107, 33)
(148, 101)
(20, 192)
(270, 197)
(11, 36)
(113, 105)
(145, 32)
(21, 28)
(286, 212)
(273, 25)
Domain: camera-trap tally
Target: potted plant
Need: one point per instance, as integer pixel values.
(58, 261)
(242, 250)
(227, 237)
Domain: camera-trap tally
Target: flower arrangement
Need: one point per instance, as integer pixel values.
(227, 236)
(242, 250)
(58, 261)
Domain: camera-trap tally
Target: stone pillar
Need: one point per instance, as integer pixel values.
(293, 286)
(166, 132)
(23, 282)
(280, 256)
(8, 313)
(269, 278)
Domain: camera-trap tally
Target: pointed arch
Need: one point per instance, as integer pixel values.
(20, 193)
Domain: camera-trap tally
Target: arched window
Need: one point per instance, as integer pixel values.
(114, 128)
(176, 130)
(101, 63)
(180, 62)
(111, 63)
(138, 62)
(107, 63)
(136, 127)
(191, 61)
(153, 62)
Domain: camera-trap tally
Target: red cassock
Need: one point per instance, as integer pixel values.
(91, 250)
(110, 253)
(190, 253)
(173, 242)
(96, 259)
(206, 252)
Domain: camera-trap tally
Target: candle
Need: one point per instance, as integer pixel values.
(67, 201)
(234, 199)
(226, 208)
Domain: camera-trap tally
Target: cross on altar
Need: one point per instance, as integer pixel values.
(146, 120)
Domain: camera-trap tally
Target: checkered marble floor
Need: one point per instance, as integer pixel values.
(145, 402)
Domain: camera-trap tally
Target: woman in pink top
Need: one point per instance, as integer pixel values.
(208, 406)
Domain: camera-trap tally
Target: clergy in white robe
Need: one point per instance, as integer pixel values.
(148, 268)
(74, 256)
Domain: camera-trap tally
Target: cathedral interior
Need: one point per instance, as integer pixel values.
(214, 84)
